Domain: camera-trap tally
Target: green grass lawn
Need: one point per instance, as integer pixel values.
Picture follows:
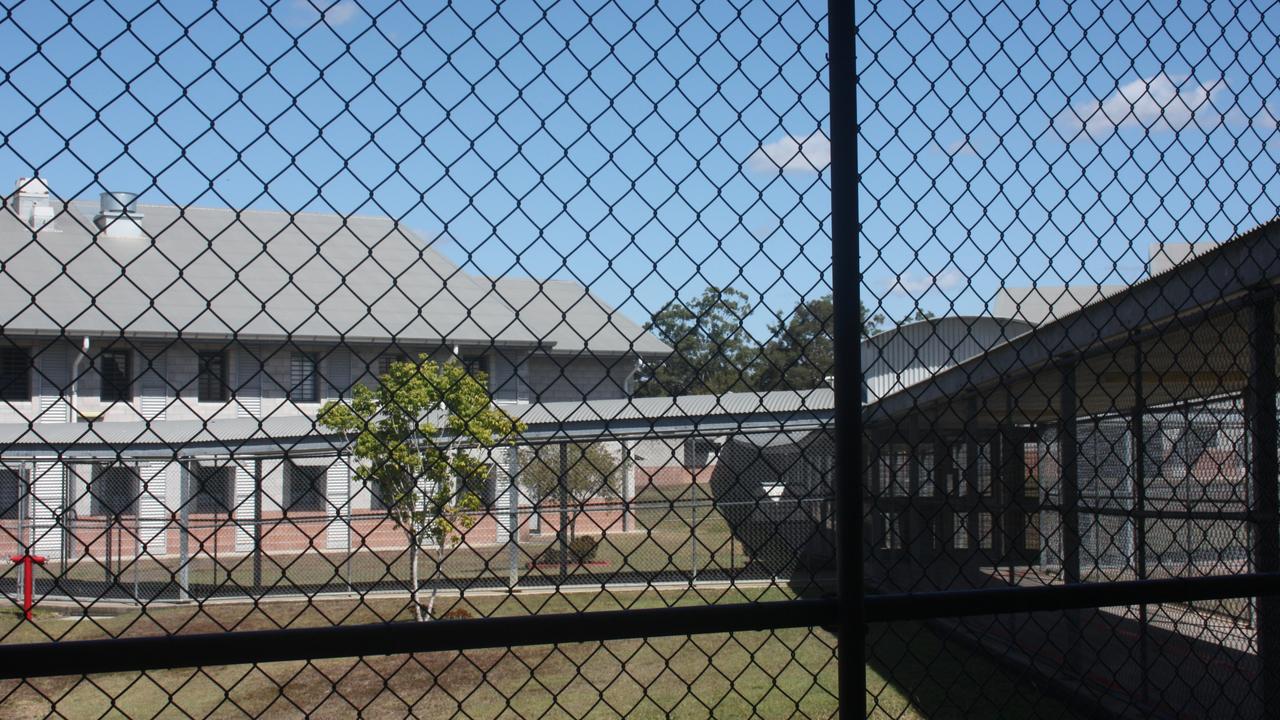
(782, 674)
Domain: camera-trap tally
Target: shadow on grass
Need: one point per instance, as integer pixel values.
(912, 672)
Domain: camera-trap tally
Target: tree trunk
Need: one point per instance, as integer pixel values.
(431, 604)
(413, 575)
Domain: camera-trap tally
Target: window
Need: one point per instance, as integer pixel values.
(1031, 538)
(304, 381)
(117, 376)
(986, 456)
(960, 538)
(892, 533)
(959, 468)
(304, 487)
(986, 532)
(11, 493)
(15, 374)
(384, 362)
(114, 490)
(212, 488)
(377, 501)
(212, 381)
(926, 472)
(475, 365)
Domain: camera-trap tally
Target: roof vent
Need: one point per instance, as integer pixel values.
(118, 215)
(30, 202)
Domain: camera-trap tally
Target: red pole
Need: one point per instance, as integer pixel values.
(28, 584)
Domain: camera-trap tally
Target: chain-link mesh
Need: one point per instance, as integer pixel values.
(1068, 258)
(322, 314)
(401, 359)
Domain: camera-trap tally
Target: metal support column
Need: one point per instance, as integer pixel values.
(1138, 433)
(1069, 456)
(846, 279)
(513, 517)
(184, 531)
(257, 527)
(1260, 398)
(562, 532)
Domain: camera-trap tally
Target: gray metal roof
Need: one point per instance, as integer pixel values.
(798, 411)
(680, 416)
(259, 274)
(1185, 318)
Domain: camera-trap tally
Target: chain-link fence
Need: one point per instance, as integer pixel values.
(501, 360)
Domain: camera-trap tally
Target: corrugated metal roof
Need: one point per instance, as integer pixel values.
(174, 433)
(779, 402)
(259, 274)
(760, 412)
(1212, 279)
(912, 352)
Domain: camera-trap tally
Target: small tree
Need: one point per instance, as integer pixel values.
(590, 470)
(416, 436)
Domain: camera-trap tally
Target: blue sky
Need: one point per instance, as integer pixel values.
(651, 152)
(1055, 145)
(647, 153)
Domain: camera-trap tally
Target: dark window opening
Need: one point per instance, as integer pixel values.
(11, 493)
(304, 380)
(212, 489)
(114, 490)
(114, 367)
(15, 374)
(475, 365)
(212, 384)
(304, 488)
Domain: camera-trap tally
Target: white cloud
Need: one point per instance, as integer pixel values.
(915, 283)
(1162, 103)
(335, 13)
(809, 154)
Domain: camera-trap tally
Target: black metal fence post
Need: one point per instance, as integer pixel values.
(846, 283)
(1260, 400)
(1069, 479)
(1137, 431)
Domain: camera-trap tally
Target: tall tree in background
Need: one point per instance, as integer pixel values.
(713, 350)
(917, 316)
(872, 323)
(800, 354)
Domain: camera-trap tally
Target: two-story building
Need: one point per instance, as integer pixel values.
(116, 314)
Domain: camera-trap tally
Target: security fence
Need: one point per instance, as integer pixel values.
(501, 360)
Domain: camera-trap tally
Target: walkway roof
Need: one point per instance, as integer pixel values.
(1187, 322)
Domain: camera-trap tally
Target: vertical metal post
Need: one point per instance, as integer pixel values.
(693, 526)
(1260, 397)
(1068, 449)
(257, 527)
(1138, 431)
(26, 535)
(513, 517)
(184, 532)
(562, 532)
(846, 278)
